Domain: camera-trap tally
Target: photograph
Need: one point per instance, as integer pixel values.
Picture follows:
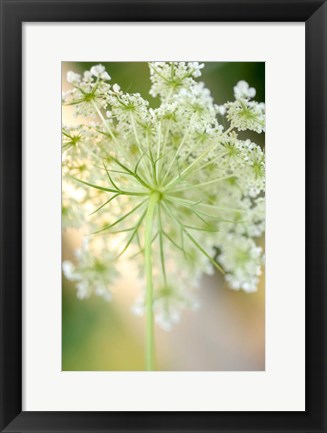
(163, 216)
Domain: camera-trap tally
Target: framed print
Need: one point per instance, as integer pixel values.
(163, 216)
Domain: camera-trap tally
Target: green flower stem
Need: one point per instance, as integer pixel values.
(154, 199)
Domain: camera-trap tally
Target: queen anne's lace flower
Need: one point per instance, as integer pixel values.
(206, 184)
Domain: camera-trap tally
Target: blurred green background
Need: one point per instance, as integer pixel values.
(227, 333)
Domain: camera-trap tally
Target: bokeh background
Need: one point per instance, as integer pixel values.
(226, 334)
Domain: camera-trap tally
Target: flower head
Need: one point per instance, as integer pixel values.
(174, 180)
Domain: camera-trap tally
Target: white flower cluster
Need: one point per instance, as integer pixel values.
(168, 304)
(170, 77)
(243, 113)
(206, 183)
(89, 89)
(93, 273)
(242, 260)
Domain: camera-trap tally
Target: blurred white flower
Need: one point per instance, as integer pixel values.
(243, 90)
(242, 260)
(93, 273)
(72, 77)
(99, 71)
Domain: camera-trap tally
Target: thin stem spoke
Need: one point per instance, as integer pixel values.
(132, 236)
(186, 187)
(104, 204)
(109, 226)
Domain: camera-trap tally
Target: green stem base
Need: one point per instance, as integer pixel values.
(149, 350)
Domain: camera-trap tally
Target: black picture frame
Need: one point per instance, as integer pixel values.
(16, 12)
